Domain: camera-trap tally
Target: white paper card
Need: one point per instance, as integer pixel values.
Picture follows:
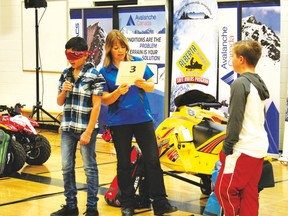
(129, 71)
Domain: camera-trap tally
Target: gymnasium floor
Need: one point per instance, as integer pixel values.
(38, 190)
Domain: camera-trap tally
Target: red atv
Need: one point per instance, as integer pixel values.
(22, 130)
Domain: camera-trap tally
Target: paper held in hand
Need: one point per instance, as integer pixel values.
(129, 71)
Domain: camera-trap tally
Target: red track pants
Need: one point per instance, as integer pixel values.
(236, 186)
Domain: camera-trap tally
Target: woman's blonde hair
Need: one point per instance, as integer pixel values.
(111, 37)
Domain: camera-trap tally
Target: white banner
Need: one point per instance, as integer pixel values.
(227, 37)
(195, 44)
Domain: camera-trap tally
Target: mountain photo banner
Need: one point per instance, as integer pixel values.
(93, 24)
(260, 22)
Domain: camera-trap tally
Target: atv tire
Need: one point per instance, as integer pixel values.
(41, 154)
(16, 157)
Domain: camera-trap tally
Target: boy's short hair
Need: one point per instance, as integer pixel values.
(251, 50)
(76, 44)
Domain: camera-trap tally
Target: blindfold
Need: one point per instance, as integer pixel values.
(74, 55)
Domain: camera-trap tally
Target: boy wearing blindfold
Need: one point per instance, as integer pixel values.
(79, 91)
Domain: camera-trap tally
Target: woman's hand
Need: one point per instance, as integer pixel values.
(147, 85)
(140, 83)
(110, 98)
(123, 89)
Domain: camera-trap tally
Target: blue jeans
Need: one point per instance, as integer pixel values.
(69, 142)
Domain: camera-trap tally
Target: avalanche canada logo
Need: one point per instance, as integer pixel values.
(130, 21)
(142, 20)
(193, 64)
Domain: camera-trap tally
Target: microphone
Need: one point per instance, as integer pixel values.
(69, 78)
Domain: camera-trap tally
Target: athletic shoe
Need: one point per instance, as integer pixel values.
(66, 211)
(91, 212)
(166, 208)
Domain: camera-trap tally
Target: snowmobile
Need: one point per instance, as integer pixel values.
(190, 140)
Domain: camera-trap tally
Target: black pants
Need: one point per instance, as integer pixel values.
(145, 137)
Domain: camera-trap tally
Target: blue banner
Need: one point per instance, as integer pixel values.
(145, 29)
